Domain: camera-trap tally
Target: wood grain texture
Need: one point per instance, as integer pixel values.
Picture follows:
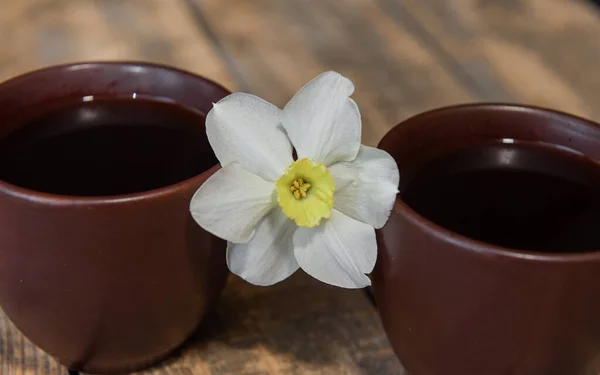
(404, 57)
(297, 327)
(540, 52)
(280, 45)
(300, 326)
(37, 33)
(18, 356)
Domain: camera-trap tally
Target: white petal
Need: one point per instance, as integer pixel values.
(366, 187)
(322, 122)
(231, 202)
(245, 129)
(268, 257)
(339, 252)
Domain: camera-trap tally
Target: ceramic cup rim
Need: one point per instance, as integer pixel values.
(466, 243)
(73, 200)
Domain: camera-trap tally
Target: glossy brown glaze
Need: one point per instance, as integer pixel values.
(456, 306)
(107, 283)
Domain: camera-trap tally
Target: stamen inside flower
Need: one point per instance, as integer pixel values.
(305, 192)
(299, 188)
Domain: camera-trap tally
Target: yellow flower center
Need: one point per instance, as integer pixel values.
(299, 188)
(305, 192)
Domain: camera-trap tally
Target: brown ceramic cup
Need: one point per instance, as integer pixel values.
(112, 283)
(452, 305)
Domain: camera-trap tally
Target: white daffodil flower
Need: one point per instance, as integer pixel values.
(318, 212)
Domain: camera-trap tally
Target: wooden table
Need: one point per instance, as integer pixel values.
(405, 56)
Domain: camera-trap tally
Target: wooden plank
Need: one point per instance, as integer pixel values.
(37, 33)
(541, 52)
(297, 327)
(279, 45)
(18, 356)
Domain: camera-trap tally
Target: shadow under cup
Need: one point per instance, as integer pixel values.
(101, 264)
(490, 262)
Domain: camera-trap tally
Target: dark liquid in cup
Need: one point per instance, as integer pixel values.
(520, 196)
(106, 147)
